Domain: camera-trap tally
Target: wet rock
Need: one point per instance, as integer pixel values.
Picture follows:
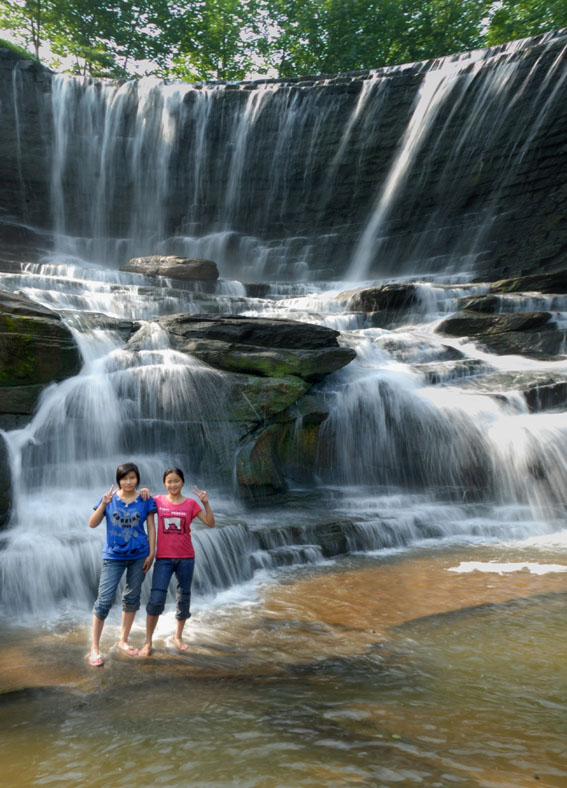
(444, 372)
(36, 348)
(174, 267)
(5, 484)
(92, 320)
(470, 324)
(383, 304)
(257, 289)
(258, 346)
(331, 537)
(504, 334)
(269, 367)
(555, 282)
(541, 390)
(543, 345)
(251, 398)
(488, 304)
(257, 468)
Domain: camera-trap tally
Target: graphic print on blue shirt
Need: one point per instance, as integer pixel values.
(125, 520)
(125, 533)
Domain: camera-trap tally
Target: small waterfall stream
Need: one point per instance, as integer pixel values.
(402, 459)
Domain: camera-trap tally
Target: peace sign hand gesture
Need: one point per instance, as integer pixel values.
(107, 497)
(201, 494)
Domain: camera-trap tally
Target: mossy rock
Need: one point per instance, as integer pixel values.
(36, 348)
(256, 399)
(258, 472)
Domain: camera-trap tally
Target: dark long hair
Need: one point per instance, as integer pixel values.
(178, 471)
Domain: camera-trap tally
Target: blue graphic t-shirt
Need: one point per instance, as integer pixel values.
(126, 536)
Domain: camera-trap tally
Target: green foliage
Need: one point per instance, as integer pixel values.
(514, 19)
(26, 18)
(15, 48)
(229, 39)
(212, 39)
(319, 36)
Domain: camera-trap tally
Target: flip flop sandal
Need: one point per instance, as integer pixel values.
(96, 661)
(130, 651)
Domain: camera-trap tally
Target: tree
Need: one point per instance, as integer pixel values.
(26, 19)
(105, 37)
(331, 35)
(513, 19)
(212, 39)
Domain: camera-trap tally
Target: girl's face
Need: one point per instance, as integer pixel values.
(173, 483)
(129, 482)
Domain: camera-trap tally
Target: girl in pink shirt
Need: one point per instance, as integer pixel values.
(175, 553)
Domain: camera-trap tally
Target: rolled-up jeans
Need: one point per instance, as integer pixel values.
(110, 576)
(163, 570)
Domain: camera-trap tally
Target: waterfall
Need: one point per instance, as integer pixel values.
(308, 187)
(400, 170)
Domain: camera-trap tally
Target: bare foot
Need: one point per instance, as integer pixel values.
(127, 649)
(180, 645)
(146, 650)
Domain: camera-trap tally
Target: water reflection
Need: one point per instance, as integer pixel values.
(374, 672)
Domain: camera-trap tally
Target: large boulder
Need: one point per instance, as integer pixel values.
(184, 268)
(265, 407)
(36, 348)
(257, 346)
(384, 305)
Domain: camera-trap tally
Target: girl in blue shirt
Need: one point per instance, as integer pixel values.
(127, 549)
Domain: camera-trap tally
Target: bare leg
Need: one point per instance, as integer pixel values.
(127, 621)
(98, 624)
(178, 637)
(151, 623)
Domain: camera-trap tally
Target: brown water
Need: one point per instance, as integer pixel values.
(367, 673)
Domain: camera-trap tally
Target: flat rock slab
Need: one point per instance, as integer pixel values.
(185, 268)
(255, 345)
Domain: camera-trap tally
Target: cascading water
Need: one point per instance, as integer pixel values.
(269, 181)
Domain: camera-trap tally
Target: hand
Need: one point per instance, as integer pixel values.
(107, 497)
(148, 563)
(201, 494)
(145, 493)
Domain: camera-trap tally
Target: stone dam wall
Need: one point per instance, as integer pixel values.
(455, 164)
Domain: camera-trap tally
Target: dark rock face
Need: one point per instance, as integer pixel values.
(174, 267)
(25, 143)
(36, 348)
(289, 188)
(5, 484)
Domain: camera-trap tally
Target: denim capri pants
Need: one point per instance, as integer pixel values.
(163, 570)
(110, 576)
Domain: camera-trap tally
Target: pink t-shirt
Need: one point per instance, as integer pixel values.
(174, 527)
